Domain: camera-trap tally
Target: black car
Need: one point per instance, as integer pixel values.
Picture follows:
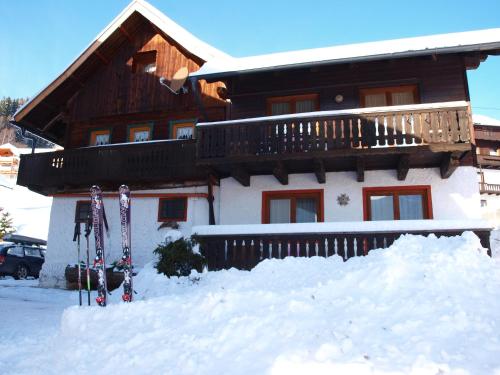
(21, 259)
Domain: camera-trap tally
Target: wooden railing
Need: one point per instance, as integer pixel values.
(485, 188)
(241, 251)
(443, 123)
(488, 161)
(137, 163)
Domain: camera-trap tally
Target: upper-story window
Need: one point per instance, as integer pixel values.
(144, 62)
(140, 133)
(183, 130)
(384, 96)
(100, 137)
(284, 105)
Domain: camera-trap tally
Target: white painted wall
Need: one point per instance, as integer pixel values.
(490, 210)
(454, 198)
(61, 250)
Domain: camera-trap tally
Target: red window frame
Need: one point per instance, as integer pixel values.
(396, 191)
(292, 195)
(388, 91)
(292, 100)
(165, 219)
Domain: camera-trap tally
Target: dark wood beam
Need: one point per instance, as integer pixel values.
(281, 173)
(241, 175)
(450, 162)
(101, 57)
(360, 169)
(210, 198)
(319, 171)
(403, 166)
(126, 33)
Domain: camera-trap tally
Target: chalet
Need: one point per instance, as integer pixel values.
(335, 150)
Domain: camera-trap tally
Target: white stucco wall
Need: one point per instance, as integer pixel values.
(61, 250)
(454, 198)
(491, 210)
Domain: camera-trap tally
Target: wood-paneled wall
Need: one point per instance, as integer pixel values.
(438, 81)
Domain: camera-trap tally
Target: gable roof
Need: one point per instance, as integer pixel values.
(183, 37)
(471, 41)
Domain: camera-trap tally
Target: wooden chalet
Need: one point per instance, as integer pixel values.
(358, 133)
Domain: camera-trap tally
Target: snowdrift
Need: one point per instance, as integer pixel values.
(423, 306)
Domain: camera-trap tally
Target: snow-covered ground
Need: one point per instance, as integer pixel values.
(423, 306)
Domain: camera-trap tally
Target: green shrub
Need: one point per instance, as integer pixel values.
(178, 259)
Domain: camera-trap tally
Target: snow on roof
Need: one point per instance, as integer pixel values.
(187, 40)
(479, 40)
(485, 120)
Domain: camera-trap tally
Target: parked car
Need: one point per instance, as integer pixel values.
(21, 257)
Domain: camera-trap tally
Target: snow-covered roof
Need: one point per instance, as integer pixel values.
(485, 120)
(480, 40)
(187, 40)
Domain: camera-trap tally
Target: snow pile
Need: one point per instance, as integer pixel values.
(423, 306)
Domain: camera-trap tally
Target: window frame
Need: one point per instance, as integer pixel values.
(292, 195)
(177, 124)
(396, 191)
(140, 59)
(93, 133)
(131, 129)
(167, 219)
(78, 204)
(292, 100)
(388, 90)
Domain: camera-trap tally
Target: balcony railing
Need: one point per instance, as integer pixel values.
(488, 161)
(321, 133)
(243, 246)
(137, 164)
(485, 188)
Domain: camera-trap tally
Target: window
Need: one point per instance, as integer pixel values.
(397, 203)
(385, 96)
(183, 130)
(144, 62)
(100, 137)
(293, 206)
(17, 251)
(83, 211)
(292, 104)
(140, 133)
(484, 203)
(172, 209)
(32, 252)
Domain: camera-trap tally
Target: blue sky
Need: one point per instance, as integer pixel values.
(39, 38)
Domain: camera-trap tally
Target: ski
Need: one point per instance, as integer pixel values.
(126, 261)
(99, 261)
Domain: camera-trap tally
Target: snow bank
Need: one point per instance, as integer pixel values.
(422, 306)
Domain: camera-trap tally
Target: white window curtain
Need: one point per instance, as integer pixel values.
(306, 210)
(279, 211)
(280, 108)
(101, 139)
(141, 136)
(382, 207)
(185, 132)
(410, 207)
(304, 106)
(375, 100)
(403, 98)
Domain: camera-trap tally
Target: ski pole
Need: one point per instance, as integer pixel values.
(87, 234)
(76, 237)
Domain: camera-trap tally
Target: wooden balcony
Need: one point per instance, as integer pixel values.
(140, 165)
(488, 161)
(485, 188)
(243, 246)
(425, 135)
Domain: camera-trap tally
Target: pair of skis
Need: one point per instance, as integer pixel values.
(100, 261)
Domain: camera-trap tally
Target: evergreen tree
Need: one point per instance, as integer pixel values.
(6, 225)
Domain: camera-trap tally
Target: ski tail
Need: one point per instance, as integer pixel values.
(100, 260)
(126, 262)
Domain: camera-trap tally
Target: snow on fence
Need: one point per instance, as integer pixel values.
(243, 246)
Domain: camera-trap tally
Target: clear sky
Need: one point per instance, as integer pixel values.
(40, 38)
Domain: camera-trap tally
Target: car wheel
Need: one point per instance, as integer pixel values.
(21, 272)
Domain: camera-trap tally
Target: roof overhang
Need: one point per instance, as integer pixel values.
(481, 41)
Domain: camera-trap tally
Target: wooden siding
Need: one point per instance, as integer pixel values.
(438, 81)
(114, 96)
